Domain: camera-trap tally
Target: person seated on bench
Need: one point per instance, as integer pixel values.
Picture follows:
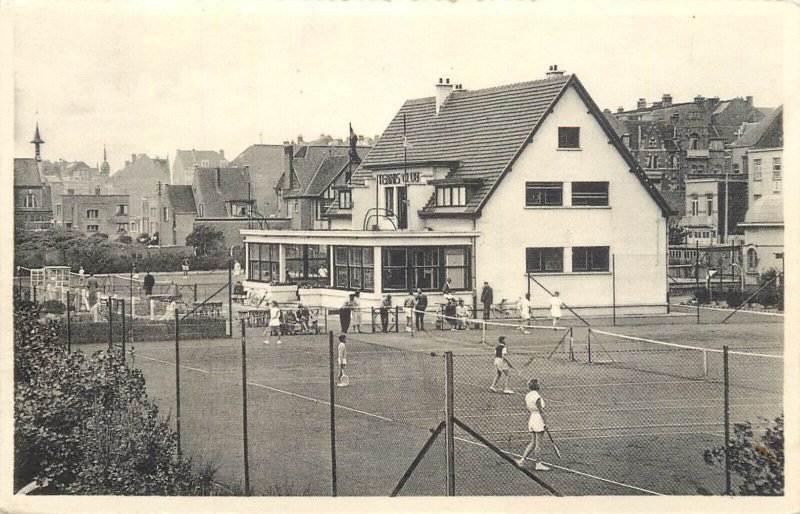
(303, 315)
(238, 289)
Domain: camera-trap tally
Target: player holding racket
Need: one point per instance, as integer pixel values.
(501, 365)
(342, 359)
(536, 425)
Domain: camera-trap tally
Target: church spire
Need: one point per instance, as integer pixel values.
(105, 168)
(37, 142)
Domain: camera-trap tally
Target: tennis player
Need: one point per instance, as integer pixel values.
(555, 308)
(524, 311)
(536, 425)
(274, 324)
(408, 310)
(342, 358)
(501, 365)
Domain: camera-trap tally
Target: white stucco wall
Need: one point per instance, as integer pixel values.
(767, 241)
(633, 226)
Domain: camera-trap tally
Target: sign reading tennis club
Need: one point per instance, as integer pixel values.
(390, 179)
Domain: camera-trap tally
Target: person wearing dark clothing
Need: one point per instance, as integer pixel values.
(344, 313)
(386, 304)
(149, 282)
(487, 297)
(450, 315)
(419, 310)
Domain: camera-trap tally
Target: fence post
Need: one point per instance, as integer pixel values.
(178, 381)
(69, 327)
(230, 297)
(727, 420)
(332, 393)
(195, 293)
(397, 319)
(123, 328)
(34, 294)
(449, 436)
(372, 318)
(614, 288)
(697, 277)
(589, 344)
(110, 324)
(244, 412)
(325, 310)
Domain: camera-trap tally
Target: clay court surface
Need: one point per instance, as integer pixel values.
(635, 421)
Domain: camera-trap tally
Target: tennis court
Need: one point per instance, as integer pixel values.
(635, 425)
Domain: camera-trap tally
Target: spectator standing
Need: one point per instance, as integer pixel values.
(487, 298)
(149, 282)
(344, 313)
(420, 305)
(408, 310)
(185, 267)
(355, 317)
(386, 304)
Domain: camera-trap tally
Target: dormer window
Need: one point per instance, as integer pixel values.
(451, 196)
(345, 199)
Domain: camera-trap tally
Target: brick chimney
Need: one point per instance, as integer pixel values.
(133, 158)
(553, 72)
(666, 100)
(620, 109)
(699, 99)
(222, 153)
(641, 104)
(288, 157)
(443, 90)
(219, 179)
(749, 101)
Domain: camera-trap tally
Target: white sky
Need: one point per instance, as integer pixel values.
(151, 77)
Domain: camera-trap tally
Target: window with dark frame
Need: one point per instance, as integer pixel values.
(92, 214)
(544, 260)
(426, 268)
(590, 258)
(569, 137)
(544, 194)
(263, 265)
(345, 199)
(590, 193)
(354, 267)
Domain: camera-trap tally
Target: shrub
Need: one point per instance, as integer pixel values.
(53, 307)
(757, 461)
(735, 298)
(702, 295)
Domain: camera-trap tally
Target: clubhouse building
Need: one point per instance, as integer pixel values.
(492, 185)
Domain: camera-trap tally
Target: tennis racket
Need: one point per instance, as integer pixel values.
(555, 446)
(344, 381)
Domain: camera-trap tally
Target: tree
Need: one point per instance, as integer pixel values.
(678, 235)
(757, 461)
(85, 423)
(205, 239)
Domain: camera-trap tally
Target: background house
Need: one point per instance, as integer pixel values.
(95, 214)
(32, 199)
(186, 161)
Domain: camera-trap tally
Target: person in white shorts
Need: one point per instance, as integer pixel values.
(408, 310)
(555, 308)
(501, 365)
(274, 325)
(536, 425)
(524, 311)
(342, 357)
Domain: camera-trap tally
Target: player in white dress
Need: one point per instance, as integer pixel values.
(555, 308)
(524, 311)
(536, 425)
(274, 324)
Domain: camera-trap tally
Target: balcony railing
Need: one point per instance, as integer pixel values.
(697, 154)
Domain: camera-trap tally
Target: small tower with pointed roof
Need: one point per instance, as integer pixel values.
(38, 142)
(105, 168)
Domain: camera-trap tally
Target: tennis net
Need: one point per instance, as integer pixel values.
(762, 369)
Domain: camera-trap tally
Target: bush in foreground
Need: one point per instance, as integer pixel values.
(85, 424)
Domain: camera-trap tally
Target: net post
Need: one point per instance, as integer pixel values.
(325, 310)
(332, 394)
(705, 363)
(727, 420)
(483, 331)
(449, 436)
(571, 347)
(244, 412)
(589, 344)
(177, 381)
(69, 327)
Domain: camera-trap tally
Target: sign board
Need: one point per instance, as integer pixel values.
(399, 178)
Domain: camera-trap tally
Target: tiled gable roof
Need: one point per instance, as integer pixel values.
(767, 133)
(181, 198)
(484, 131)
(308, 158)
(190, 158)
(328, 170)
(216, 186)
(26, 173)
